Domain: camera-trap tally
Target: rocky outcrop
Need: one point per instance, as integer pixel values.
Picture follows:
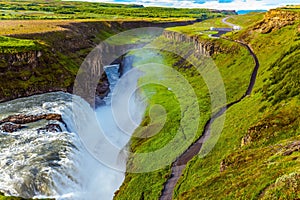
(24, 119)
(276, 19)
(269, 126)
(201, 46)
(18, 60)
(10, 127)
(223, 166)
(291, 148)
(14, 123)
(54, 128)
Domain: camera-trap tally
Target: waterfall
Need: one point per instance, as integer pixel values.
(113, 75)
(35, 163)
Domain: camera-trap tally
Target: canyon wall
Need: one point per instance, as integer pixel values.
(206, 47)
(54, 64)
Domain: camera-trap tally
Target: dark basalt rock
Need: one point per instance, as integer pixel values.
(291, 148)
(223, 166)
(54, 128)
(24, 119)
(10, 127)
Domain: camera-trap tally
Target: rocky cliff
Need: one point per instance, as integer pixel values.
(32, 72)
(206, 47)
(276, 19)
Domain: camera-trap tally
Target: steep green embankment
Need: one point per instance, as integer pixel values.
(234, 64)
(257, 154)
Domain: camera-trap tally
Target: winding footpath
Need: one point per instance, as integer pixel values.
(224, 21)
(180, 163)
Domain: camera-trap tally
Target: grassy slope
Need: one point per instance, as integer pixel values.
(12, 45)
(12, 27)
(246, 20)
(201, 29)
(149, 185)
(268, 166)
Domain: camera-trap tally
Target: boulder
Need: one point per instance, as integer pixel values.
(10, 127)
(24, 119)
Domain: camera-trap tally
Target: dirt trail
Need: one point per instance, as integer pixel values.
(180, 163)
(224, 20)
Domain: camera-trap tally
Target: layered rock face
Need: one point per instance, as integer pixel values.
(15, 60)
(201, 46)
(276, 19)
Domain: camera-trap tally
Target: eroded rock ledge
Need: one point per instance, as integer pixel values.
(14, 123)
(201, 46)
(24, 119)
(276, 19)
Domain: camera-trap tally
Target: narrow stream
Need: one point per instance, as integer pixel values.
(37, 161)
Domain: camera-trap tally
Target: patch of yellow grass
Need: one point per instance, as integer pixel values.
(15, 27)
(11, 27)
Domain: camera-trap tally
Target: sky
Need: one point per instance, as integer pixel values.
(214, 4)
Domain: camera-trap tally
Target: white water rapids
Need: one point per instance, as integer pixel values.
(40, 163)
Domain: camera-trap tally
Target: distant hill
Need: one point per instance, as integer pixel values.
(242, 12)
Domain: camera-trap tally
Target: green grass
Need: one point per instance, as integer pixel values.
(84, 10)
(293, 8)
(271, 121)
(2, 197)
(246, 20)
(11, 45)
(235, 68)
(201, 29)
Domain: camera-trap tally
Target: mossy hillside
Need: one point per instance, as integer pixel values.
(150, 185)
(255, 149)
